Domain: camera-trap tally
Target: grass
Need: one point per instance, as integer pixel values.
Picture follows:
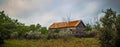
(74, 42)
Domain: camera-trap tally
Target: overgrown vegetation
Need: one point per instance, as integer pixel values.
(109, 29)
(60, 34)
(106, 30)
(90, 31)
(73, 42)
(12, 29)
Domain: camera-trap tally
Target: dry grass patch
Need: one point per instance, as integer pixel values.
(73, 42)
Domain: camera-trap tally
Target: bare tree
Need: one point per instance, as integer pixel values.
(67, 18)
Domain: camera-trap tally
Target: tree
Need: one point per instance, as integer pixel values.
(109, 30)
(32, 27)
(38, 26)
(88, 27)
(11, 28)
(6, 26)
(35, 27)
(44, 30)
(116, 39)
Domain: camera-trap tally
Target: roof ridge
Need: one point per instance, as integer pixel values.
(66, 22)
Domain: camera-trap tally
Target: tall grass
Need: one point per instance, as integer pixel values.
(73, 42)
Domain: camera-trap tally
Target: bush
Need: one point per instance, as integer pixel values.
(53, 36)
(90, 33)
(60, 34)
(1, 40)
(14, 35)
(33, 35)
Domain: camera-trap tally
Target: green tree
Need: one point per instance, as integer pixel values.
(108, 31)
(6, 26)
(116, 39)
(11, 28)
(32, 27)
(88, 27)
(5, 21)
(38, 26)
(44, 30)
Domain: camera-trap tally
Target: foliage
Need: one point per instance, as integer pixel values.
(116, 39)
(109, 29)
(66, 34)
(33, 35)
(73, 42)
(11, 28)
(6, 26)
(90, 31)
(14, 35)
(1, 40)
(44, 30)
(56, 31)
(60, 34)
(88, 27)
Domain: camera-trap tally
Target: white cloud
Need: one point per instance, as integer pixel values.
(46, 12)
(38, 18)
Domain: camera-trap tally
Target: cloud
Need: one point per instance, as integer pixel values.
(45, 12)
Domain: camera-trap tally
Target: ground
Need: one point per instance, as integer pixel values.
(74, 42)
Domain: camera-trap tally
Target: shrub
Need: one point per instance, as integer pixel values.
(33, 35)
(60, 34)
(1, 40)
(53, 36)
(90, 33)
(14, 35)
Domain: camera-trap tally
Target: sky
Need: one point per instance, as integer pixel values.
(46, 12)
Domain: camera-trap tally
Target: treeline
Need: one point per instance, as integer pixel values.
(106, 29)
(12, 29)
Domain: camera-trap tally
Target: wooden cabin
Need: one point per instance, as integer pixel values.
(76, 27)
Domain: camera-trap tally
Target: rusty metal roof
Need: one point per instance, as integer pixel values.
(65, 24)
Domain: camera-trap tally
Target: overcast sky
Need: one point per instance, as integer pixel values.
(46, 12)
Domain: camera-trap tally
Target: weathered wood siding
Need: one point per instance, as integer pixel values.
(78, 30)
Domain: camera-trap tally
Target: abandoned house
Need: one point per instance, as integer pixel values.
(76, 27)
